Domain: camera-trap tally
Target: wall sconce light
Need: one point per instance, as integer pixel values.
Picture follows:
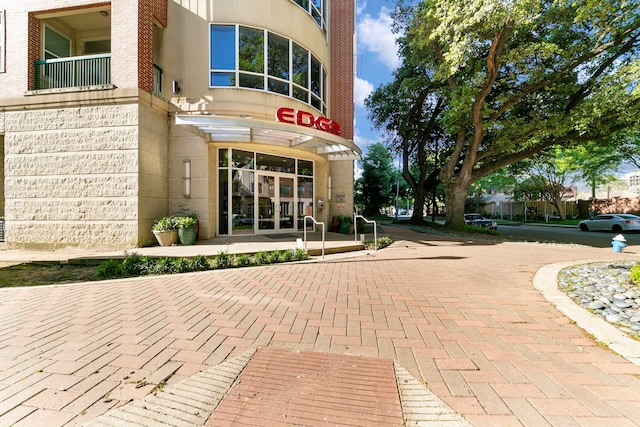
(186, 178)
(329, 188)
(175, 87)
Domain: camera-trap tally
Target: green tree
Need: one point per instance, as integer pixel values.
(407, 111)
(523, 76)
(375, 188)
(550, 174)
(596, 163)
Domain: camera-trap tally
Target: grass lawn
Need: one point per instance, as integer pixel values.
(37, 274)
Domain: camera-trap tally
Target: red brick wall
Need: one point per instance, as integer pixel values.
(33, 53)
(341, 31)
(148, 13)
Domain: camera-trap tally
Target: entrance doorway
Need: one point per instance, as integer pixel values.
(275, 203)
(263, 194)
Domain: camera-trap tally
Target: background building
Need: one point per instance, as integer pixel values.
(113, 114)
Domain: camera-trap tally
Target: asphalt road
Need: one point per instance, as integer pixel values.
(557, 234)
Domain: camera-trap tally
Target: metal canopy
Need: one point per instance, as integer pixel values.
(232, 129)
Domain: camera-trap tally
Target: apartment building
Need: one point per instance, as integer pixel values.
(113, 114)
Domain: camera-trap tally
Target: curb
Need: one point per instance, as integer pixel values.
(546, 281)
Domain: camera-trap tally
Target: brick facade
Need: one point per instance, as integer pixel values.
(149, 12)
(342, 69)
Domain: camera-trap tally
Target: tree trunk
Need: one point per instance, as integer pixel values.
(455, 198)
(418, 205)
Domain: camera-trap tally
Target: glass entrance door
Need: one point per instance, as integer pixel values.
(275, 203)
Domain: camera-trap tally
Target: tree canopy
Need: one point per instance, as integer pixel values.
(517, 77)
(374, 189)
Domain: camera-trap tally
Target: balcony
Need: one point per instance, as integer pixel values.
(73, 72)
(82, 71)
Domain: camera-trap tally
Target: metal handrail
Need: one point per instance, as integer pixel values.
(375, 229)
(73, 71)
(305, 232)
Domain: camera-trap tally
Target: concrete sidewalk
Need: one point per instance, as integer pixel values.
(458, 320)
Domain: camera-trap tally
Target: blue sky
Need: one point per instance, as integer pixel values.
(377, 58)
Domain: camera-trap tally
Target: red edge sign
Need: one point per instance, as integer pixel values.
(303, 118)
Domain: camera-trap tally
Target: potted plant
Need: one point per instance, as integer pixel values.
(165, 230)
(186, 211)
(186, 229)
(346, 224)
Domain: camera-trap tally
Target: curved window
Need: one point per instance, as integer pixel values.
(252, 58)
(315, 8)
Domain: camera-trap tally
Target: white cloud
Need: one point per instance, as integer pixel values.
(361, 90)
(363, 142)
(374, 35)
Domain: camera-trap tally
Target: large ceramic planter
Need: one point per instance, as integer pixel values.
(187, 236)
(345, 227)
(167, 238)
(335, 224)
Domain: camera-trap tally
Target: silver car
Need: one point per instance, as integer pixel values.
(611, 222)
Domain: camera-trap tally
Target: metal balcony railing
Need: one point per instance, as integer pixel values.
(75, 71)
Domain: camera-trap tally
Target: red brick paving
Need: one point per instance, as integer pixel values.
(280, 387)
(461, 316)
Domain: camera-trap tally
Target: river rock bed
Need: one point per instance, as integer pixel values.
(605, 289)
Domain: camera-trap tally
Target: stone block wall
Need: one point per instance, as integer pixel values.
(71, 177)
(153, 183)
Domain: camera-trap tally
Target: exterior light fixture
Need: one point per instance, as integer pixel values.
(186, 178)
(104, 13)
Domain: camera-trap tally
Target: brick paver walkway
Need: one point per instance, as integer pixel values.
(461, 316)
(279, 387)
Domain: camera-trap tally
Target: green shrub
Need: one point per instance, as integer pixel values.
(273, 257)
(260, 258)
(301, 255)
(223, 260)
(635, 274)
(181, 265)
(200, 263)
(383, 242)
(287, 255)
(110, 269)
(131, 265)
(242, 260)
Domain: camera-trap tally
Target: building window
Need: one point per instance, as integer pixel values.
(55, 44)
(634, 180)
(315, 8)
(265, 61)
(223, 55)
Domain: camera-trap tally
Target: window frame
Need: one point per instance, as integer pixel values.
(44, 42)
(220, 78)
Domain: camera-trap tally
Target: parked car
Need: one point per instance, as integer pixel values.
(611, 222)
(479, 221)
